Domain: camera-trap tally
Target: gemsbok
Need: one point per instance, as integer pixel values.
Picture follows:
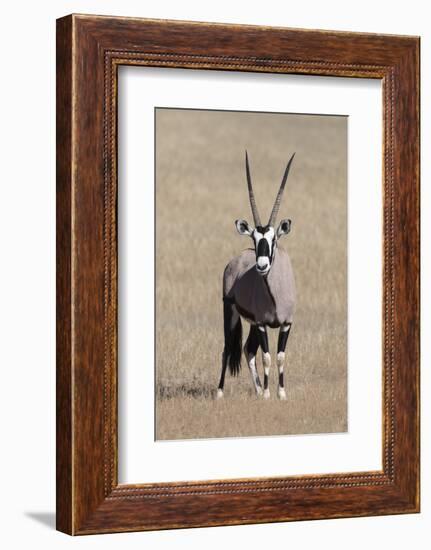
(259, 286)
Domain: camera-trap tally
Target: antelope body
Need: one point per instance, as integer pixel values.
(258, 286)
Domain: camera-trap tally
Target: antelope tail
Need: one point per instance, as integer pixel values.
(232, 338)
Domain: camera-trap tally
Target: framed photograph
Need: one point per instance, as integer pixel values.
(237, 274)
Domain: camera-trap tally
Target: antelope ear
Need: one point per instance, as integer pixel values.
(283, 228)
(243, 228)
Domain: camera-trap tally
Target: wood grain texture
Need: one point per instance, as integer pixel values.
(89, 499)
(64, 496)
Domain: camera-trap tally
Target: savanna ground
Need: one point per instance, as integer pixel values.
(200, 191)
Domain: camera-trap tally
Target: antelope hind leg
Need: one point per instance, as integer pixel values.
(222, 377)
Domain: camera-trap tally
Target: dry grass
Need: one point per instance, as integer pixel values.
(200, 191)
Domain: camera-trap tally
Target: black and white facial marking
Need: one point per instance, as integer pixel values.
(265, 241)
(264, 244)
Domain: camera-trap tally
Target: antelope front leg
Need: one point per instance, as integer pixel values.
(266, 359)
(250, 351)
(283, 335)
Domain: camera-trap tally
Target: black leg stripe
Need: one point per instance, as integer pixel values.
(265, 381)
(263, 340)
(252, 344)
(283, 335)
(281, 380)
(223, 372)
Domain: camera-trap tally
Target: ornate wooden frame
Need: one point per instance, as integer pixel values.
(89, 51)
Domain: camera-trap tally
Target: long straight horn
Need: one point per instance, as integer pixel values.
(254, 211)
(276, 206)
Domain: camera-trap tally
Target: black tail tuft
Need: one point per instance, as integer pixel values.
(232, 338)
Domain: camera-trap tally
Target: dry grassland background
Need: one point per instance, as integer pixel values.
(200, 191)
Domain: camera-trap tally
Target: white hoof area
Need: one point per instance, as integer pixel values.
(282, 394)
(266, 394)
(259, 391)
(219, 394)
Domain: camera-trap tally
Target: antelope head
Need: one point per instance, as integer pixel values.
(264, 237)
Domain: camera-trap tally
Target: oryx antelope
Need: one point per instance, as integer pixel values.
(258, 285)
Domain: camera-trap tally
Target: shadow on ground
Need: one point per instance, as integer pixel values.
(45, 518)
